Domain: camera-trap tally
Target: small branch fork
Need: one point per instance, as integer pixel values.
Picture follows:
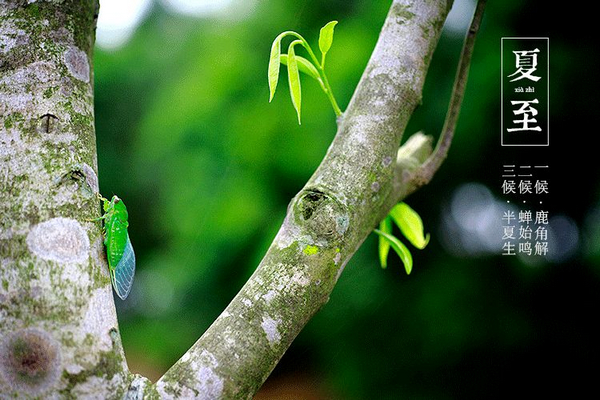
(425, 173)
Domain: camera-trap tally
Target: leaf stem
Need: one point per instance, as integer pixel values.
(329, 93)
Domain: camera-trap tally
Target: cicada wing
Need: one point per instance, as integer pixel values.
(122, 275)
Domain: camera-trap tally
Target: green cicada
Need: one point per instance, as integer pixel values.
(119, 251)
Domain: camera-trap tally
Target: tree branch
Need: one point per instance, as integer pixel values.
(429, 168)
(351, 191)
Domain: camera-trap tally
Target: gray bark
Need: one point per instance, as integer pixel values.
(58, 327)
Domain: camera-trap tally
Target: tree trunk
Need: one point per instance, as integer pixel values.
(58, 326)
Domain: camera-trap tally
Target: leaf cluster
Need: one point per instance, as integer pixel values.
(295, 64)
(411, 226)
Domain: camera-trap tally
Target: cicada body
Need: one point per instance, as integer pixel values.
(119, 251)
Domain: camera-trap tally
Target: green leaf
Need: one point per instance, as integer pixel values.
(399, 248)
(304, 66)
(384, 246)
(410, 224)
(273, 71)
(294, 78)
(326, 37)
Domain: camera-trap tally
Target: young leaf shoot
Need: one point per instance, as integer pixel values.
(384, 246)
(399, 248)
(296, 64)
(326, 39)
(294, 78)
(304, 66)
(274, 65)
(411, 226)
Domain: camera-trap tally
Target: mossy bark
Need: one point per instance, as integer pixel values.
(58, 326)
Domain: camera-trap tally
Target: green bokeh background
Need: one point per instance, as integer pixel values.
(207, 166)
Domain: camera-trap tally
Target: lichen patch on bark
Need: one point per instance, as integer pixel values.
(59, 239)
(270, 327)
(198, 379)
(77, 63)
(91, 178)
(11, 36)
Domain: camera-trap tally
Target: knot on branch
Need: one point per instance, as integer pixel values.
(321, 214)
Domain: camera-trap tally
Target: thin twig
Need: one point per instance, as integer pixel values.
(460, 82)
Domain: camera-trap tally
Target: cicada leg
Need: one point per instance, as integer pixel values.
(96, 219)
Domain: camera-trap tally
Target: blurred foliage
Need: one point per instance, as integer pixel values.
(207, 166)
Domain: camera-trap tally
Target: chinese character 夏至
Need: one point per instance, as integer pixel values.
(528, 112)
(509, 232)
(526, 64)
(525, 91)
